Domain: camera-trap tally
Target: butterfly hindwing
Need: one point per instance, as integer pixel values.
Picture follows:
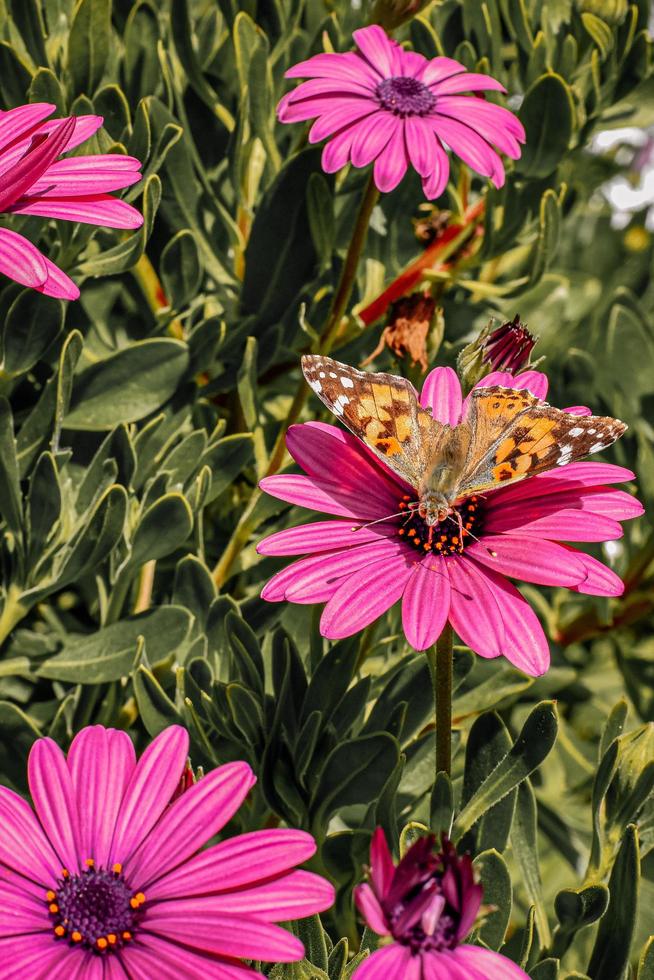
(537, 438)
(382, 410)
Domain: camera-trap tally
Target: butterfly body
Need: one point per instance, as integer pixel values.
(505, 434)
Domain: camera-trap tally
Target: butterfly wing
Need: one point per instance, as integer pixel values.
(515, 435)
(382, 410)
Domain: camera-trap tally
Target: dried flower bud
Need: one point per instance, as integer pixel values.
(412, 320)
(392, 13)
(504, 348)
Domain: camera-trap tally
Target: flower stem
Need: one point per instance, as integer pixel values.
(248, 522)
(440, 665)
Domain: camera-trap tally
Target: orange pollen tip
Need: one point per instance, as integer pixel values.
(455, 540)
(127, 936)
(133, 903)
(140, 897)
(65, 873)
(439, 545)
(101, 943)
(50, 895)
(89, 862)
(412, 532)
(112, 938)
(53, 908)
(116, 868)
(443, 537)
(401, 531)
(76, 936)
(406, 497)
(426, 546)
(59, 931)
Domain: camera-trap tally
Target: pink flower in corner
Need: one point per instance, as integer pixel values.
(426, 906)
(513, 531)
(36, 180)
(107, 880)
(393, 107)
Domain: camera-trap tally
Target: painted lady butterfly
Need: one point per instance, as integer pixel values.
(505, 435)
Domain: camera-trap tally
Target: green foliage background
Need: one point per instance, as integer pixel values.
(135, 424)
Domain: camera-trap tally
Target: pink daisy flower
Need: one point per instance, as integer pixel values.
(396, 107)
(513, 531)
(106, 880)
(36, 180)
(426, 906)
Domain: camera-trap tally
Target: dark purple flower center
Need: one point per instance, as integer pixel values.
(95, 909)
(405, 96)
(449, 537)
(508, 347)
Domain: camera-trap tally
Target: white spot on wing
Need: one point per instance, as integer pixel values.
(597, 447)
(340, 404)
(577, 431)
(322, 374)
(347, 382)
(317, 387)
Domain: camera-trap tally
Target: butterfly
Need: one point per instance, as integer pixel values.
(505, 435)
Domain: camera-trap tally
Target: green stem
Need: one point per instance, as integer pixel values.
(247, 522)
(12, 612)
(440, 665)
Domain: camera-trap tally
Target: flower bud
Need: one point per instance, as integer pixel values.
(391, 13)
(504, 348)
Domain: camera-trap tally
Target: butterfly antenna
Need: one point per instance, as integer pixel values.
(380, 520)
(469, 533)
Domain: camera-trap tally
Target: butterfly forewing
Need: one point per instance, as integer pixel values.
(382, 410)
(515, 436)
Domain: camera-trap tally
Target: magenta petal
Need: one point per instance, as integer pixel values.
(441, 393)
(326, 452)
(599, 580)
(330, 498)
(434, 185)
(578, 410)
(350, 64)
(437, 69)
(474, 613)
(375, 45)
(149, 791)
(371, 137)
(534, 381)
(426, 602)
(152, 957)
(319, 582)
(603, 501)
(467, 81)
(370, 909)
(364, 596)
(525, 644)
(227, 935)
(236, 862)
(337, 151)
(85, 127)
(38, 957)
(542, 562)
(491, 965)
(471, 147)
(562, 525)
(382, 868)
(345, 114)
(23, 845)
(391, 164)
(53, 794)
(491, 122)
(57, 284)
(15, 122)
(20, 260)
(99, 209)
(321, 536)
(393, 962)
(101, 762)
(20, 914)
(198, 814)
(420, 141)
(443, 966)
(569, 477)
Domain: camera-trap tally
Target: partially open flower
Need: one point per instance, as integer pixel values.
(504, 348)
(426, 906)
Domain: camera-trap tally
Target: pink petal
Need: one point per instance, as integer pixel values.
(152, 957)
(350, 65)
(226, 935)
(441, 393)
(525, 644)
(21, 914)
(467, 81)
(412, 63)
(198, 814)
(20, 260)
(290, 896)
(434, 185)
(599, 580)
(74, 176)
(442, 966)
(491, 965)
(370, 909)
(372, 136)
(101, 762)
(534, 381)
(341, 90)
(17, 180)
(53, 794)
(98, 209)
(490, 121)
(317, 578)
(85, 127)
(382, 868)
(23, 845)
(474, 613)
(364, 596)
(337, 152)
(376, 47)
(58, 284)
(391, 164)
(569, 477)
(344, 115)
(420, 141)
(544, 563)
(557, 525)
(149, 791)
(578, 410)
(438, 69)
(393, 962)
(15, 122)
(39, 958)
(236, 862)
(472, 149)
(331, 498)
(322, 536)
(603, 501)
(426, 602)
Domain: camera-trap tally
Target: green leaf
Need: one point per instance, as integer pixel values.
(547, 113)
(442, 805)
(496, 881)
(181, 33)
(43, 504)
(354, 772)
(181, 271)
(575, 910)
(532, 746)
(646, 962)
(524, 842)
(11, 507)
(15, 77)
(488, 743)
(28, 18)
(546, 244)
(89, 44)
(164, 526)
(156, 709)
(600, 32)
(108, 654)
(141, 36)
(128, 385)
(610, 956)
(545, 970)
(320, 210)
(32, 323)
(124, 255)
